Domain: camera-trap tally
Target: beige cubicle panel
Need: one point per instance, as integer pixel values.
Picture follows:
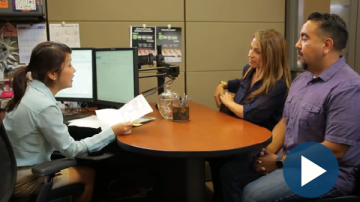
(117, 35)
(107, 25)
(215, 42)
(202, 84)
(116, 10)
(308, 6)
(218, 38)
(148, 83)
(221, 46)
(254, 11)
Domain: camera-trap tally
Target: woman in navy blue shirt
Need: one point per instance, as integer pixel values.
(260, 93)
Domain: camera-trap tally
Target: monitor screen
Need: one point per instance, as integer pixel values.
(83, 84)
(116, 75)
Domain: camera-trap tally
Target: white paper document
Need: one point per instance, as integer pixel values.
(130, 112)
(25, 4)
(68, 34)
(88, 122)
(28, 37)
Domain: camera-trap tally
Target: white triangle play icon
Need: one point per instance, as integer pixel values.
(309, 171)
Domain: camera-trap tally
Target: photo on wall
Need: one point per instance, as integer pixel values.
(144, 39)
(170, 40)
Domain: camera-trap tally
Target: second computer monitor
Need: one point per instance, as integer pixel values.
(116, 75)
(83, 84)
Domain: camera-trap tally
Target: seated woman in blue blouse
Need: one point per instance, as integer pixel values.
(261, 92)
(34, 122)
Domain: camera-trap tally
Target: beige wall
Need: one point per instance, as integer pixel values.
(308, 6)
(318, 5)
(218, 39)
(216, 34)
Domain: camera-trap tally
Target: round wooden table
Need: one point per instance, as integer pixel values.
(208, 134)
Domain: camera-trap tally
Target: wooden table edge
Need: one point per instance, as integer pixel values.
(193, 154)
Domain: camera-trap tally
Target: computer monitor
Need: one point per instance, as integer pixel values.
(117, 76)
(84, 81)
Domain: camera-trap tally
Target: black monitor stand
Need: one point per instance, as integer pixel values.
(163, 69)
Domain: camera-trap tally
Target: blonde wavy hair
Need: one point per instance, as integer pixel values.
(274, 62)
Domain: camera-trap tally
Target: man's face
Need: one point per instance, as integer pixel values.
(310, 46)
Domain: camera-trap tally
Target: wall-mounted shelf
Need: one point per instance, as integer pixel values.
(13, 13)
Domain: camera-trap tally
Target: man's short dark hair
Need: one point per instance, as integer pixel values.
(332, 25)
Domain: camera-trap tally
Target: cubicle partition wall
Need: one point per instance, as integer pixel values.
(218, 37)
(215, 34)
(107, 25)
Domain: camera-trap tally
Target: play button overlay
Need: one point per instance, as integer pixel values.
(311, 169)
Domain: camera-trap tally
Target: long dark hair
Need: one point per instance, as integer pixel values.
(45, 57)
(273, 59)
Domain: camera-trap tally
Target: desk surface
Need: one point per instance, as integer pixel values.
(209, 133)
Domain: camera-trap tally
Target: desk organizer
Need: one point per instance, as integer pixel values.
(181, 114)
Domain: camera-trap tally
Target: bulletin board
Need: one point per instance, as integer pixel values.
(19, 20)
(25, 9)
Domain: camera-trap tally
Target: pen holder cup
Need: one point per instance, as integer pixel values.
(181, 114)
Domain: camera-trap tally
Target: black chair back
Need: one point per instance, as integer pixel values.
(7, 166)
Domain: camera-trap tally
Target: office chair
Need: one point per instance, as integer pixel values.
(8, 176)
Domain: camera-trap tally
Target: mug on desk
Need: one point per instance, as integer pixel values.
(181, 114)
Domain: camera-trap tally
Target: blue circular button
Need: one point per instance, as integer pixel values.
(311, 169)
